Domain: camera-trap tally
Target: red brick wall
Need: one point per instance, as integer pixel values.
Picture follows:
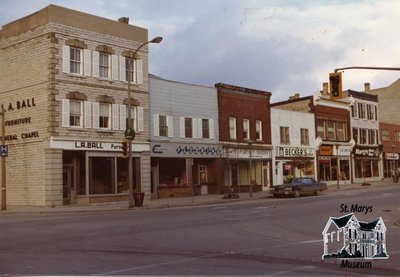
(390, 146)
(244, 104)
(325, 112)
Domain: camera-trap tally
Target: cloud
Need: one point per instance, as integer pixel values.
(279, 46)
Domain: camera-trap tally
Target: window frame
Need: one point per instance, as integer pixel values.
(104, 120)
(75, 64)
(129, 69)
(205, 126)
(134, 117)
(104, 67)
(73, 117)
(304, 136)
(246, 129)
(259, 130)
(284, 134)
(188, 121)
(161, 127)
(385, 135)
(396, 135)
(232, 128)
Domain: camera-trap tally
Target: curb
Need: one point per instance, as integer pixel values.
(175, 202)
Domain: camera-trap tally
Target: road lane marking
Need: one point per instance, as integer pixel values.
(178, 261)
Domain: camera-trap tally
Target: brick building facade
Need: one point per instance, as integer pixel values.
(333, 142)
(245, 135)
(64, 89)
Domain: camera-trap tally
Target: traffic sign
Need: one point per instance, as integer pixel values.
(4, 150)
(130, 133)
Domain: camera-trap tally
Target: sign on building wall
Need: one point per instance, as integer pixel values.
(391, 156)
(294, 152)
(367, 152)
(185, 150)
(85, 145)
(234, 153)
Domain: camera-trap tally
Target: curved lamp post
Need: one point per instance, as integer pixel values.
(130, 173)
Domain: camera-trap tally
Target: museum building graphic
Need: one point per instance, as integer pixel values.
(346, 237)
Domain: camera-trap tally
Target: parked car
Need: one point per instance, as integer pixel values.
(299, 186)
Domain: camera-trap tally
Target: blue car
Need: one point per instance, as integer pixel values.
(299, 186)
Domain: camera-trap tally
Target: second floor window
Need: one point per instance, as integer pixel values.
(205, 125)
(341, 131)
(163, 126)
(258, 130)
(134, 116)
(246, 129)
(355, 135)
(104, 115)
(397, 136)
(284, 132)
(75, 113)
(75, 65)
(129, 66)
(331, 130)
(104, 65)
(304, 139)
(363, 136)
(188, 127)
(232, 128)
(385, 135)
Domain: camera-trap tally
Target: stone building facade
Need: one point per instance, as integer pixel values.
(63, 86)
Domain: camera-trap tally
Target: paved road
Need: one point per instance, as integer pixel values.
(276, 237)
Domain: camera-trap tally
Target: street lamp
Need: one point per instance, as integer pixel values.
(130, 173)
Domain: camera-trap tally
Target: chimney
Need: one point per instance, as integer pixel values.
(124, 20)
(295, 96)
(325, 88)
(367, 87)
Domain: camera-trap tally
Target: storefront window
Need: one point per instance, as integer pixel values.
(325, 170)
(328, 169)
(122, 175)
(101, 175)
(344, 170)
(288, 172)
(375, 168)
(109, 175)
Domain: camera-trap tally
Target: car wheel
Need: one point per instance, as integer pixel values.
(297, 193)
(318, 192)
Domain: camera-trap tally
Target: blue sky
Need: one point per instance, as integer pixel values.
(284, 47)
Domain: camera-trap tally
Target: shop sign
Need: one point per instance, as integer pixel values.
(367, 152)
(344, 150)
(234, 153)
(83, 145)
(326, 150)
(391, 156)
(295, 152)
(184, 150)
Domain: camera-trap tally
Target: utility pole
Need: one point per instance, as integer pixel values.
(3, 162)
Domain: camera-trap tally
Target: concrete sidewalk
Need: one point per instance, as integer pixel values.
(173, 202)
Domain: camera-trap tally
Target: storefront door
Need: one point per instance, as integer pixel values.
(67, 184)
